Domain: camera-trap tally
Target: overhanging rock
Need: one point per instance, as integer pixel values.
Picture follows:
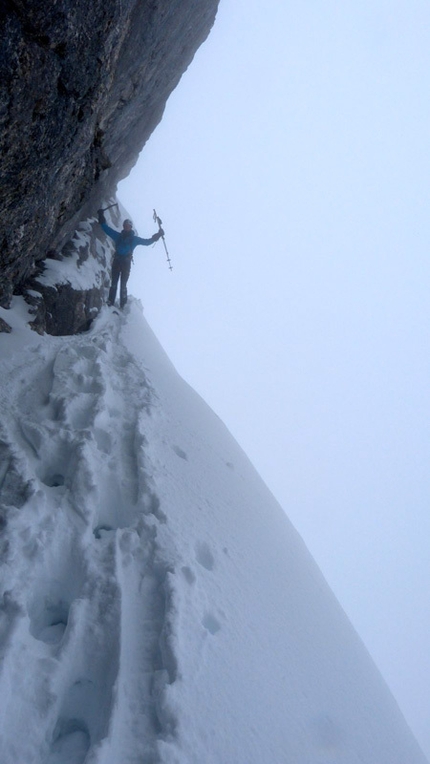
(81, 89)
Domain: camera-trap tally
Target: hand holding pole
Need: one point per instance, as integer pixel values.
(159, 221)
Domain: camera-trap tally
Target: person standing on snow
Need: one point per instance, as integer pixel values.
(125, 242)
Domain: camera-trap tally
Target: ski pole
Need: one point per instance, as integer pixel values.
(159, 221)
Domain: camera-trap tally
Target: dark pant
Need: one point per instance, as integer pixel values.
(120, 267)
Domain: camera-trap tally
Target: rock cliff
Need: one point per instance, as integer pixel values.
(82, 86)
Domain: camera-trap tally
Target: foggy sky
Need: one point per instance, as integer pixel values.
(291, 171)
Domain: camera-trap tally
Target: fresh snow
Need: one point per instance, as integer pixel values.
(156, 603)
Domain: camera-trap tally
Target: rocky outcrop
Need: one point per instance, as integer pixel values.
(72, 283)
(82, 86)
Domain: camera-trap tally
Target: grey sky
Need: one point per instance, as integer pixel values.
(291, 171)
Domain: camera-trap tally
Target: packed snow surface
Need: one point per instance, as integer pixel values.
(156, 604)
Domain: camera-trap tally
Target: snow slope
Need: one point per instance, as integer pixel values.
(156, 604)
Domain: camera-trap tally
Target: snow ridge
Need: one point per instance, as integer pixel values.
(156, 605)
(88, 563)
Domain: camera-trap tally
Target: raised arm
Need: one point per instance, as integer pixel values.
(147, 242)
(106, 228)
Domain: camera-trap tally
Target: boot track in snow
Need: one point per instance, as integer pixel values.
(74, 438)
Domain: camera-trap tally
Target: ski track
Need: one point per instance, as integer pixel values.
(73, 438)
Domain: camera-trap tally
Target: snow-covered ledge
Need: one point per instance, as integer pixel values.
(71, 290)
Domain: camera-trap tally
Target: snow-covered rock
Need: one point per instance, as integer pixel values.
(156, 603)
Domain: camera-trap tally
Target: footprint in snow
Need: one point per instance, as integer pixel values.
(49, 615)
(204, 556)
(102, 530)
(188, 574)
(179, 452)
(71, 742)
(103, 440)
(211, 624)
(49, 605)
(54, 481)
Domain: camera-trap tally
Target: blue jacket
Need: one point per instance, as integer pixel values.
(125, 246)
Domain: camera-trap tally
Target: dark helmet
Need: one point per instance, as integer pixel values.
(129, 222)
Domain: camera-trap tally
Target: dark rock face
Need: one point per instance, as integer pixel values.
(63, 310)
(4, 327)
(83, 83)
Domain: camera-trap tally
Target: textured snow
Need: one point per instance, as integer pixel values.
(156, 603)
(79, 269)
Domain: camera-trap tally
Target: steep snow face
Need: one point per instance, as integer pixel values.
(156, 604)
